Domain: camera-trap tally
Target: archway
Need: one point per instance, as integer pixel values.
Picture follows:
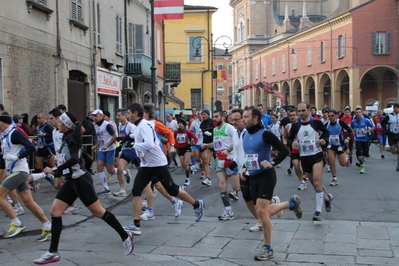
(343, 85)
(325, 83)
(298, 91)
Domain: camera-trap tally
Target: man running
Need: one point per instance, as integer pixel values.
(207, 127)
(391, 124)
(305, 136)
(153, 163)
(337, 145)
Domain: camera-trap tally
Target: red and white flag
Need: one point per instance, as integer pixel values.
(168, 9)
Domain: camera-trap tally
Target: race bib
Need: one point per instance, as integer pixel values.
(359, 132)
(379, 125)
(251, 162)
(334, 140)
(217, 142)
(181, 138)
(308, 147)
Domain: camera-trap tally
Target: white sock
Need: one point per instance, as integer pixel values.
(37, 176)
(115, 170)
(16, 221)
(228, 208)
(319, 201)
(47, 226)
(18, 205)
(103, 180)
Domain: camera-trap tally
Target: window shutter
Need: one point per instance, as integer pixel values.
(159, 45)
(373, 42)
(294, 62)
(138, 39)
(324, 51)
(337, 55)
(320, 51)
(257, 71)
(131, 38)
(389, 42)
(80, 11)
(309, 55)
(283, 63)
(343, 45)
(74, 10)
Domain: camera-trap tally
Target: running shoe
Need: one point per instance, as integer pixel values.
(305, 177)
(144, 205)
(207, 182)
(297, 208)
(128, 244)
(47, 257)
(147, 215)
(187, 182)
(226, 215)
(172, 165)
(327, 202)
(357, 164)
(362, 170)
(289, 171)
(131, 227)
(192, 173)
(49, 178)
(233, 195)
(257, 227)
(19, 211)
(177, 207)
(264, 254)
(128, 176)
(302, 186)
(199, 212)
(334, 182)
(317, 216)
(155, 192)
(276, 199)
(119, 193)
(73, 209)
(328, 168)
(383, 156)
(104, 192)
(109, 176)
(44, 236)
(397, 167)
(14, 230)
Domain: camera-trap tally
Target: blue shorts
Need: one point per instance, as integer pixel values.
(106, 156)
(382, 139)
(195, 147)
(227, 170)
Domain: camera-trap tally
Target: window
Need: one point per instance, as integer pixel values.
(322, 52)
(230, 69)
(220, 67)
(240, 31)
(196, 99)
(283, 63)
(309, 55)
(341, 46)
(77, 13)
(118, 34)
(294, 62)
(159, 45)
(264, 69)
(381, 43)
(273, 66)
(97, 31)
(136, 38)
(256, 71)
(195, 41)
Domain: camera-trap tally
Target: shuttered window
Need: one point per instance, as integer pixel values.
(118, 34)
(273, 66)
(77, 10)
(381, 43)
(341, 46)
(97, 30)
(196, 99)
(309, 55)
(322, 52)
(283, 69)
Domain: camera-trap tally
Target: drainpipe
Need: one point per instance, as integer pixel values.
(58, 55)
(95, 53)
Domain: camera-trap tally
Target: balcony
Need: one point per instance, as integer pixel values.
(173, 72)
(138, 65)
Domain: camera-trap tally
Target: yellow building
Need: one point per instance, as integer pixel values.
(189, 42)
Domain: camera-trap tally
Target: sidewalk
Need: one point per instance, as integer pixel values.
(45, 197)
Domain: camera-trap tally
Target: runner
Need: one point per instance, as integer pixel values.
(79, 184)
(391, 124)
(207, 127)
(305, 136)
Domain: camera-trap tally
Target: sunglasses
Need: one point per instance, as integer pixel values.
(331, 115)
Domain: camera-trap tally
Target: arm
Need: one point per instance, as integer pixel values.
(384, 123)
(111, 131)
(18, 138)
(74, 150)
(163, 130)
(325, 133)
(194, 139)
(270, 138)
(293, 132)
(346, 127)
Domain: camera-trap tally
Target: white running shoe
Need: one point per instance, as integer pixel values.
(302, 186)
(128, 244)
(73, 209)
(147, 216)
(227, 215)
(144, 205)
(207, 182)
(19, 211)
(177, 207)
(257, 227)
(187, 182)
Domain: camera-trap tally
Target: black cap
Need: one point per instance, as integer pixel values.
(206, 111)
(61, 107)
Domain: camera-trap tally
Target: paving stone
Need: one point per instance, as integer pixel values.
(372, 232)
(240, 249)
(375, 244)
(307, 258)
(340, 249)
(375, 253)
(305, 247)
(340, 238)
(377, 261)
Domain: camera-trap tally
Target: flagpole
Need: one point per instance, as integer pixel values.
(153, 66)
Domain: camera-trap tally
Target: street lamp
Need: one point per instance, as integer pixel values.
(197, 56)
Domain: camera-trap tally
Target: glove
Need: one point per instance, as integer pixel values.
(207, 133)
(232, 165)
(10, 157)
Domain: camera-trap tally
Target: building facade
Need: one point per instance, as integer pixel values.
(337, 54)
(75, 52)
(189, 42)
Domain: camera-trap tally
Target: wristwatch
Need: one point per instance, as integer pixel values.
(272, 163)
(229, 149)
